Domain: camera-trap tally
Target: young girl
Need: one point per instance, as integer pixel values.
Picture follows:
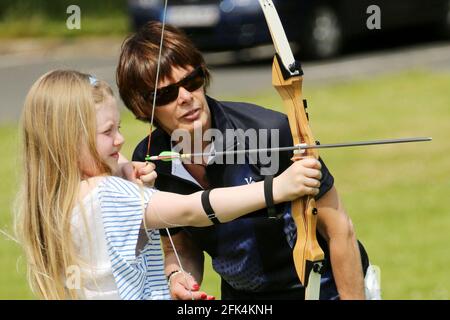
(80, 226)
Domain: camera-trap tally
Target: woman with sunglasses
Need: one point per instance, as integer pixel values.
(253, 255)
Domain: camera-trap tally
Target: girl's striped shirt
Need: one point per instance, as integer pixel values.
(106, 228)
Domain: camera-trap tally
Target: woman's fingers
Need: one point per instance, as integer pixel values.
(184, 287)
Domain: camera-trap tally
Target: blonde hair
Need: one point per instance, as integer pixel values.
(58, 117)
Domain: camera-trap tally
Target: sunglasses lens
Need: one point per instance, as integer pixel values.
(192, 82)
(166, 95)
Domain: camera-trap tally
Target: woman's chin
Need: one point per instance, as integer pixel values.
(196, 126)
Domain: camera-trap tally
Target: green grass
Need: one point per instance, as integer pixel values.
(397, 195)
(12, 268)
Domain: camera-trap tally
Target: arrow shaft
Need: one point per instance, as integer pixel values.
(368, 143)
(291, 148)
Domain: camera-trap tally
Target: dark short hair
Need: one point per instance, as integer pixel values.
(138, 62)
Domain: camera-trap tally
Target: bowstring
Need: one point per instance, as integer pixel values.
(150, 135)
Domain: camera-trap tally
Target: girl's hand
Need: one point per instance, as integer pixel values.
(145, 173)
(125, 169)
(302, 178)
(137, 172)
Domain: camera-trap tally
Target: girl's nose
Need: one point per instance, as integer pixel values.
(119, 140)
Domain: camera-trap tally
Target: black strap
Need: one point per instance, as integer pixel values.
(171, 274)
(207, 207)
(268, 195)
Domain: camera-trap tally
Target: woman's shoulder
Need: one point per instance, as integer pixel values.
(254, 116)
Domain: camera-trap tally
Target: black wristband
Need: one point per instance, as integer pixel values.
(207, 207)
(268, 195)
(171, 274)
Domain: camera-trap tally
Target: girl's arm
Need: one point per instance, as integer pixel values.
(169, 209)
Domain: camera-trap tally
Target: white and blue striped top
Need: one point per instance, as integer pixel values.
(113, 214)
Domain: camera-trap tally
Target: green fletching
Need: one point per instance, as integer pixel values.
(163, 156)
(168, 155)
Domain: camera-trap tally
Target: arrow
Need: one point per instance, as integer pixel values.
(170, 155)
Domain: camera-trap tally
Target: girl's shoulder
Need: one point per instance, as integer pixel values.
(87, 186)
(113, 187)
(105, 182)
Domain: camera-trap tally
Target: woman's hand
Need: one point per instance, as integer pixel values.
(179, 284)
(302, 178)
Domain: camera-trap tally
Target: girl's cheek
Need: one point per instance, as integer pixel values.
(103, 144)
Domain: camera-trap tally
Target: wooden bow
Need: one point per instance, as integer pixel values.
(287, 77)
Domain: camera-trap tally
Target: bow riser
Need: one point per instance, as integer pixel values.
(290, 91)
(307, 251)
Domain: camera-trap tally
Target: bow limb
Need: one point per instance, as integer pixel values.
(287, 79)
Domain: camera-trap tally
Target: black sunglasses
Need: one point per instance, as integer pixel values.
(167, 94)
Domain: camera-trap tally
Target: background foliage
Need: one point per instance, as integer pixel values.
(56, 9)
(47, 18)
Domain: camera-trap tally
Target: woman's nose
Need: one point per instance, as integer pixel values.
(184, 95)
